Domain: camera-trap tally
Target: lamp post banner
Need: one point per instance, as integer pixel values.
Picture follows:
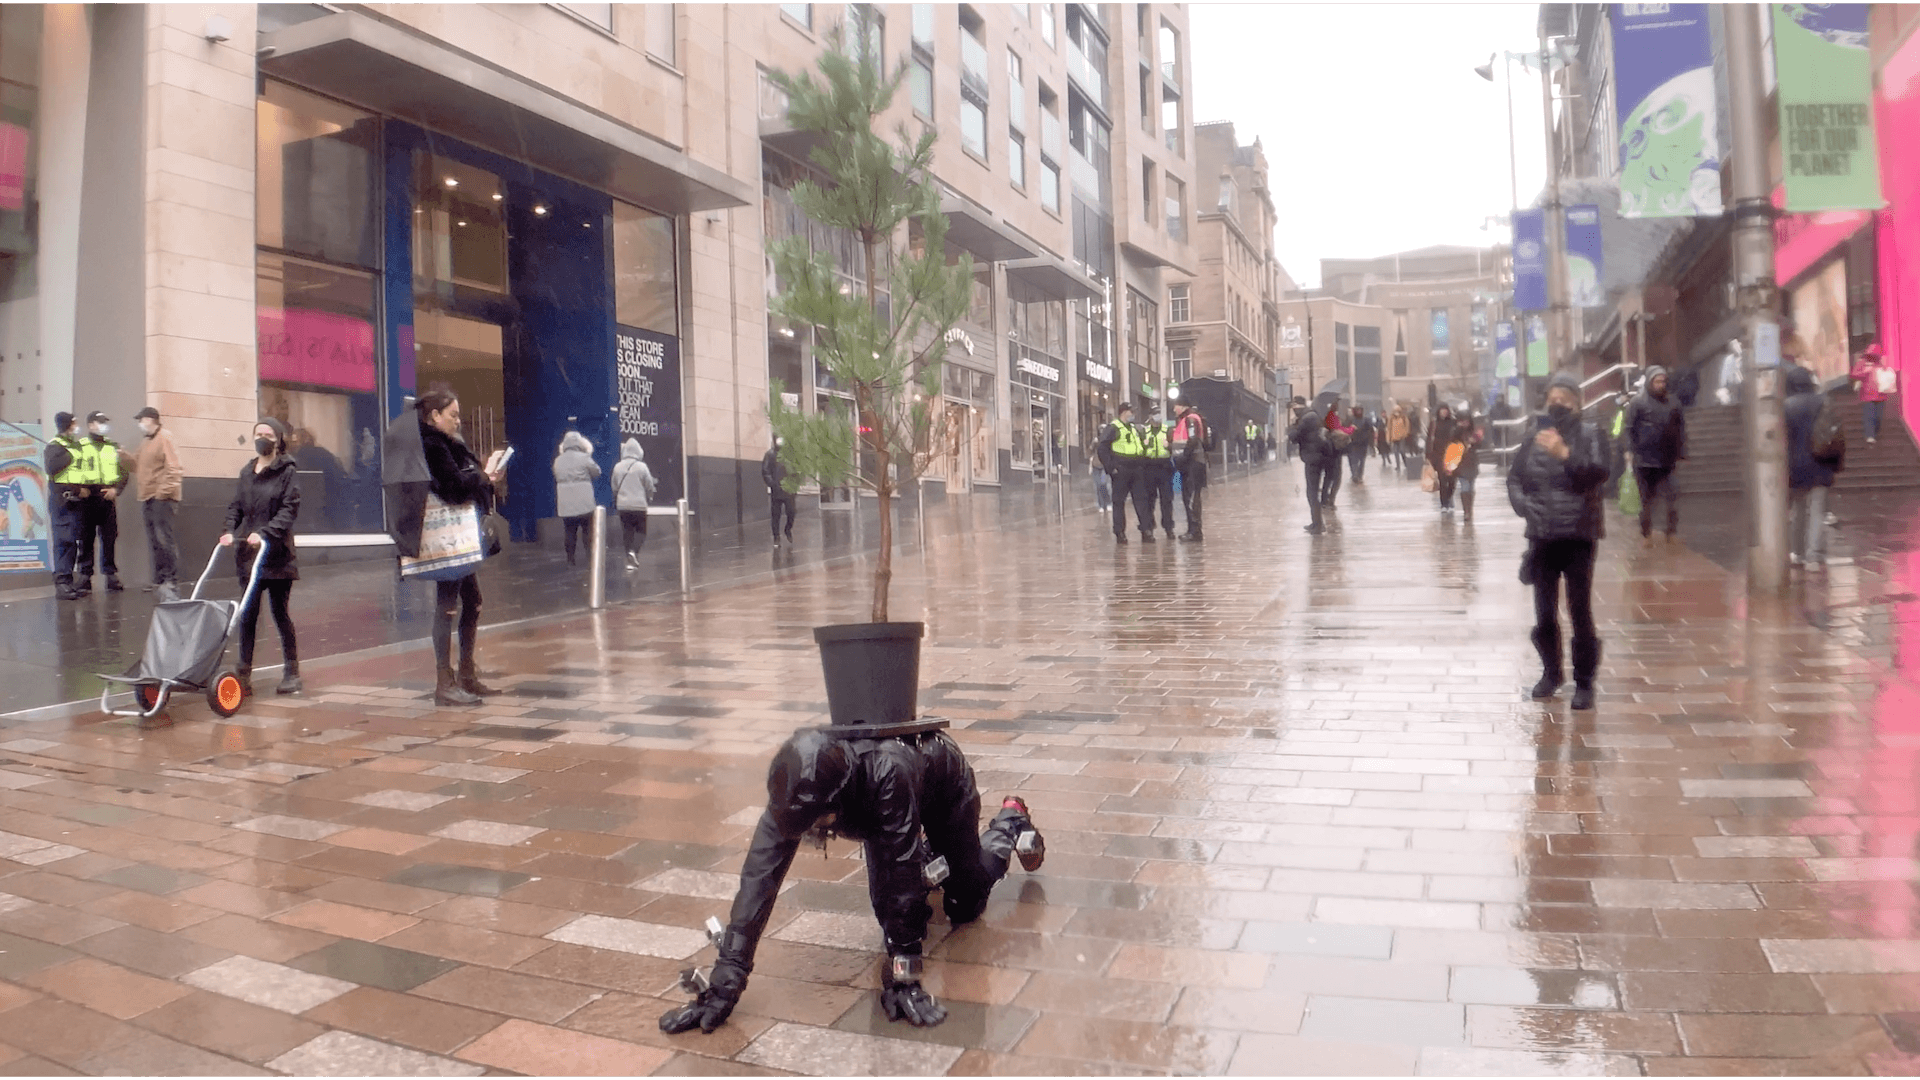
(1669, 142)
(1826, 107)
(1584, 269)
(1530, 260)
(1537, 362)
(1506, 352)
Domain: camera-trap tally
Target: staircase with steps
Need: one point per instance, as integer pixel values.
(1715, 455)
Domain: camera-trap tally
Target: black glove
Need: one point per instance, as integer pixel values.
(712, 1007)
(912, 1003)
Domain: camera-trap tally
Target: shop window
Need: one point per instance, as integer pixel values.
(315, 177)
(1863, 310)
(644, 270)
(786, 367)
(980, 312)
(662, 35)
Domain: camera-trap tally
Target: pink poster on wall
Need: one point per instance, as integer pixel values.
(13, 167)
(316, 348)
(1897, 109)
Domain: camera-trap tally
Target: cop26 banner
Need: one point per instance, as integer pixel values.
(1669, 143)
(1506, 352)
(1826, 107)
(1583, 256)
(1537, 359)
(1530, 260)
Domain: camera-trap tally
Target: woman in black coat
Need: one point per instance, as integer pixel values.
(266, 501)
(454, 475)
(1439, 436)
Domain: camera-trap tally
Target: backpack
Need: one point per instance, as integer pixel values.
(1829, 441)
(1206, 440)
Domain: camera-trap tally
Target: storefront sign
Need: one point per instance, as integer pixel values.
(1536, 347)
(13, 167)
(1826, 107)
(1506, 353)
(1530, 260)
(1584, 265)
(315, 348)
(1101, 373)
(1035, 368)
(646, 368)
(1669, 142)
(26, 531)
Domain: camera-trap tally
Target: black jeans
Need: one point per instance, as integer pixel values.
(1657, 482)
(1553, 561)
(99, 517)
(1316, 485)
(1158, 477)
(781, 506)
(66, 534)
(451, 597)
(1446, 482)
(576, 526)
(166, 551)
(1193, 490)
(1357, 463)
(277, 591)
(1330, 477)
(633, 530)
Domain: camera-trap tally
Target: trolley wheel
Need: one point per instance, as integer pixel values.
(148, 696)
(224, 693)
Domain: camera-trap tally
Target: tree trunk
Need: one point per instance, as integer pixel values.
(880, 430)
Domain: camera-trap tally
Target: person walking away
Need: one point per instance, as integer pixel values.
(1156, 470)
(633, 487)
(157, 471)
(1340, 437)
(104, 472)
(1190, 438)
(574, 472)
(780, 500)
(62, 458)
(1123, 453)
(1102, 485)
(1317, 455)
(1877, 383)
(1656, 433)
(1809, 475)
(1554, 484)
(1439, 437)
(266, 502)
(1469, 436)
(1362, 442)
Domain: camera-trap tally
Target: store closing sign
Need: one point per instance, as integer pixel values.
(647, 371)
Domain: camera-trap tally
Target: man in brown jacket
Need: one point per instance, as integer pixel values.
(157, 470)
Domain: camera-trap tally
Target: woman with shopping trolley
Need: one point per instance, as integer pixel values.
(266, 502)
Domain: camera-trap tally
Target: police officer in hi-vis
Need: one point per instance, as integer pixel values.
(85, 487)
(1156, 475)
(1123, 453)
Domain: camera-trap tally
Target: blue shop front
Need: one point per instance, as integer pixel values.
(419, 230)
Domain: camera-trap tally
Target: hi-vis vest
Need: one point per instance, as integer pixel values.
(1126, 441)
(75, 448)
(1156, 444)
(97, 462)
(1253, 432)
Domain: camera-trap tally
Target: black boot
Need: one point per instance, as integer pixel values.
(244, 673)
(469, 679)
(290, 676)
(113, 583)
(1466, 505)
(1546, 641)
(1586, 664)
(1582, 696)
(447, 691)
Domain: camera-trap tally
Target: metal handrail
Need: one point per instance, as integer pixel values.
(1585, 404)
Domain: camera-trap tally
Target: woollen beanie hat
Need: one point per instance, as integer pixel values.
(279, 430)
(62, 421)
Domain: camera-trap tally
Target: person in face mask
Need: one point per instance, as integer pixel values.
(1554, 483)
(104, 475)
(1656, 435)
(266, 501)
(157, 471)
(774, 472)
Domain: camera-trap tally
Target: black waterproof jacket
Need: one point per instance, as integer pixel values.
(265, 502)
(1803, 409)
(1309, 438)
(774, 472)
(1656, 429)
(1560, 500)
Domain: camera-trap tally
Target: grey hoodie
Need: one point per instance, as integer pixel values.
(574, 472)
(633, 482)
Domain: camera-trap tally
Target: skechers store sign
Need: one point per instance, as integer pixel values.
(1035, 371)
(647, 370)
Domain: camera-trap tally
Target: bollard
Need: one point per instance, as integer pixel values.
(1063, 474)
(597, 561)
(686, 547)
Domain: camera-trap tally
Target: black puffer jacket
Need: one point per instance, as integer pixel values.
(1309, 438)
(1560, 500)
(265, 502)
(455, 472)
(1656, 427)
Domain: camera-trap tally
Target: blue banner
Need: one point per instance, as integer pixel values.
(1669, 139)
(1530, 260)
(1584, 269)
(1506, 351)
(1442, 335)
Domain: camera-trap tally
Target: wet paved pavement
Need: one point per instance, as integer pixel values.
(1299, 820)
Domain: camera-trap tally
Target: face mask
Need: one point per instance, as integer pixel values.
(148, 428)
(1559, 412)
(263, 447)
(101, 430)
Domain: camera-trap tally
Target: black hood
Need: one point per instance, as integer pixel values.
(804, 783)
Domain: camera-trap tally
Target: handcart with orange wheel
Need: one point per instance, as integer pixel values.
(186, 644)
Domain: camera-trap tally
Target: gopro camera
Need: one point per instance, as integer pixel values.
(1027, 842)
(694, 981)
(715, 931)
(935, 872)
(907, 969)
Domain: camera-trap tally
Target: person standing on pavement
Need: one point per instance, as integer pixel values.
(1362, 442)
(1466, 472)
(1809, 477)
(1340, 438)
(157, 471)
(1397, 430)
(1554, 484)
(1190, 438)
(780, 501)
(1122, 452)
(1439, 437)
(1317, 455)
(1102, 484)
(633, 488)
(574, 472)
(1656, 436)
(1156, 472)
(266, 502)
(1877, 383)
(65, 491)
(105, 470)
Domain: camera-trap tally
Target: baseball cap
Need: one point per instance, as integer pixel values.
(96, 416)
(148, 413)
(62, 420)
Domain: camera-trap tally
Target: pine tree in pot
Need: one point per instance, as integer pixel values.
(884, 348)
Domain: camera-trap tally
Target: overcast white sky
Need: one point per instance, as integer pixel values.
(1379, 136)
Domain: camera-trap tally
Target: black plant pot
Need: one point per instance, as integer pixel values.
(872, 671)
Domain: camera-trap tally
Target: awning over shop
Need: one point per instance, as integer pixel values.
(975, 229)
(387, 69)
(1226, 404)
(1054, 277)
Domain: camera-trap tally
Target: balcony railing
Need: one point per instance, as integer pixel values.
(973, 63)
(1050, 134)
(1088, 74)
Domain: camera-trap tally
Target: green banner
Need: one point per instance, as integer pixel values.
(1826, 107)
(1537, 346)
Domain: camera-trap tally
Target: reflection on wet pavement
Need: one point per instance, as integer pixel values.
(1300, 820)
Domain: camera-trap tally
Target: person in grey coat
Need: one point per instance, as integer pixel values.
(633, 487)
(574, 472)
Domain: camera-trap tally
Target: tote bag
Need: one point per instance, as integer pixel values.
(450, 543)
(1429, 480)
(1884, 380)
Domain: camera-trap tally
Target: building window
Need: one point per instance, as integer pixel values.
(1863, 310)
(1342, 351)
(973, 125)
(1182, 358)
(800, 13)
(1146, 189)
(1050, 186)
(1170, 119)
(923, 26)
(920, 87)
(869, 28)
(315, 164)
(660, 33)
(644, 265)
(600, 15)
(1366, 363)
(1176, 209)
(1046, 24)
(1400, 344)
(1179, 303)
(1021, 12)
(1016, 93)
(1049, 124)
(1146, 98)
(1017, 160)
(1087, 53)
(973, 84)
(1169, 54)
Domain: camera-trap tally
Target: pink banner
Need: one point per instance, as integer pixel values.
(1800, 240)
(316, 348)
(1897, 109)
(13, 167)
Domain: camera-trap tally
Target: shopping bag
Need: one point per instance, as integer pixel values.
(1884, 380)
(1630, 495)
(450, 543)
(1429, 480)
